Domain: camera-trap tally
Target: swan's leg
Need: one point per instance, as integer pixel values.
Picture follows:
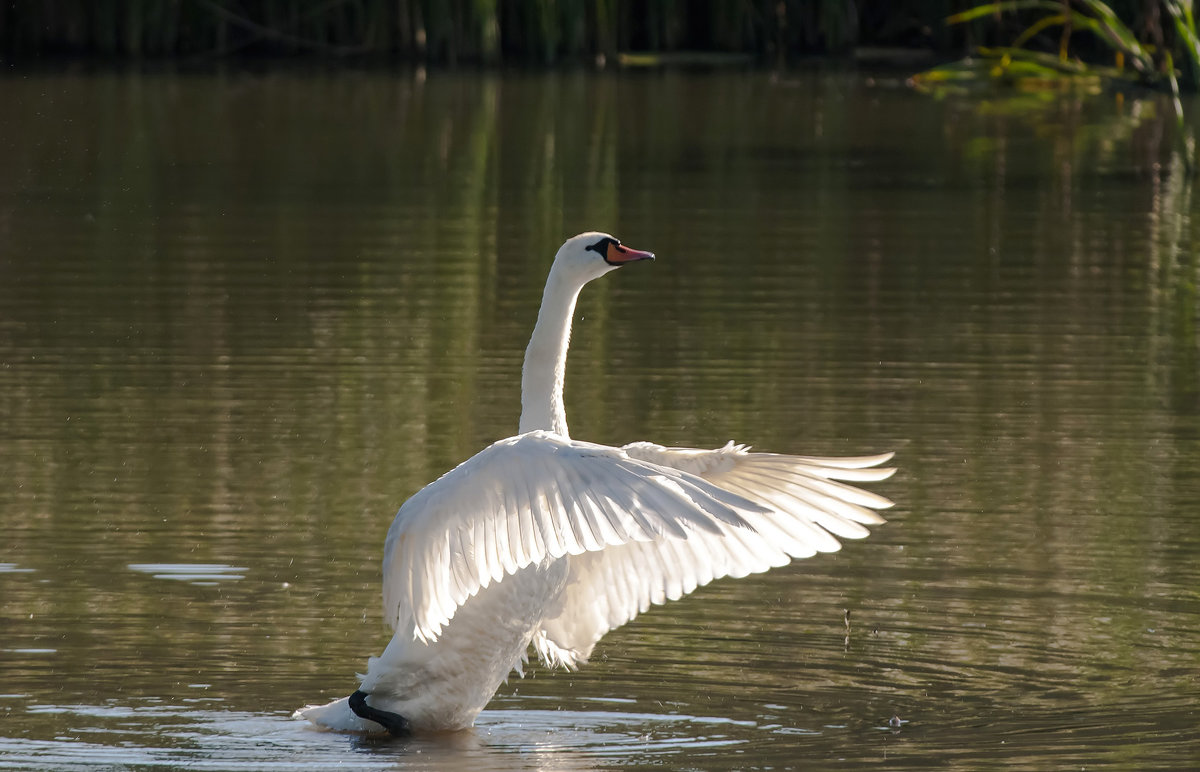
(395, 724)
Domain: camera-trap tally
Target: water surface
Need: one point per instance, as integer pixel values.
(243, 316)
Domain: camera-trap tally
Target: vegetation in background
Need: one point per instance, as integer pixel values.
(1040, 48)
(1145, 33)
(454, 31)
(1045, 55)
(1046, 49)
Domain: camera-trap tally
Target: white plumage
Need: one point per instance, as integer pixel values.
(542, 539)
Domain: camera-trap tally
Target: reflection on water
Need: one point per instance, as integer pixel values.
(243, 316)
(203, 574)
(157, 736)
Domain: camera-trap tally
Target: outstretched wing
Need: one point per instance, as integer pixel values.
(804, 504)
(530, 497)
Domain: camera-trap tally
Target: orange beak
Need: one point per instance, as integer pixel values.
(619, 255)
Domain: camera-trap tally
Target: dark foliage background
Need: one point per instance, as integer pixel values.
(492, 31)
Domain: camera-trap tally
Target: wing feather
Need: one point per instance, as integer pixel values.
(465, 529)
(832, 515)
(802, 508)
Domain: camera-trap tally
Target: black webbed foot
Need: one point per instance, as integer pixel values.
(395, 724)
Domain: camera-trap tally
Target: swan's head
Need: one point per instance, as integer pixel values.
(591, 255)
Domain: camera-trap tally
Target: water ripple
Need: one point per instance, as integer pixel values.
(199, 574)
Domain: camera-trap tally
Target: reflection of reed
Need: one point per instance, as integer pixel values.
(205, 373)
(245, 316)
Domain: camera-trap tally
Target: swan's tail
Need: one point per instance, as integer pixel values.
(337, 717)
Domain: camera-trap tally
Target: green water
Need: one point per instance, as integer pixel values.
(243, 316)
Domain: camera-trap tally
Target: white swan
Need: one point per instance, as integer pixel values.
(547, 540)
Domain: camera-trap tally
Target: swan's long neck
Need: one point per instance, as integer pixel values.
(546, 359)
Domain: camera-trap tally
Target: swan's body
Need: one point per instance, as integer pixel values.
(547, 540)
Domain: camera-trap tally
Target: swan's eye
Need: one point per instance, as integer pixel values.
(601, 246)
